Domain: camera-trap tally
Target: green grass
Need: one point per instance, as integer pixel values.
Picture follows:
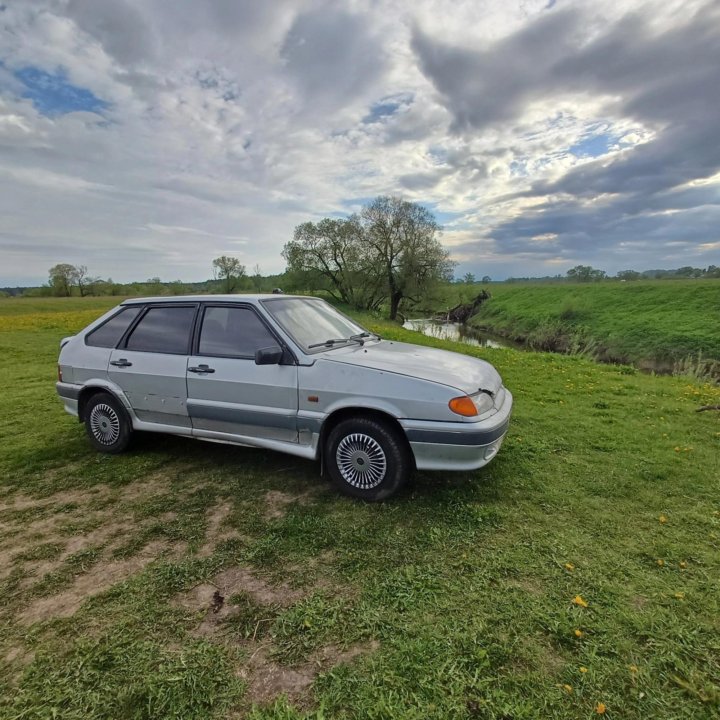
(461, 589)
(664, 322)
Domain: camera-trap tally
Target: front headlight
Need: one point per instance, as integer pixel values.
(472, 405)
(483, 402)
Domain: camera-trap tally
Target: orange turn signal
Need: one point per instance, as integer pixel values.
(463, 406)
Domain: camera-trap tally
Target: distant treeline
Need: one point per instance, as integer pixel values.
(151, 287)
(587, 273)
(75, 281)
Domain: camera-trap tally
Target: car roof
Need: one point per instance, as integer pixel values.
(212, 298)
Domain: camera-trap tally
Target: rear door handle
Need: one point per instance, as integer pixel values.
(122, 362)
(201, 369)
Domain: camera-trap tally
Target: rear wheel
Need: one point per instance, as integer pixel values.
(367, 458)
(107, 424)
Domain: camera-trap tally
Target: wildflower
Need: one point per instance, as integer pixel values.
(569, 566)
(660, 562)
(677, 449)
(683, 564)
(633, 668)
(578, 633)
(662, 519)
(568, 689)
(600, 708)
(679, 595)
(583, 669)
(578, 600)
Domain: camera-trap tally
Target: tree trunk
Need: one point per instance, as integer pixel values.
(395, 299)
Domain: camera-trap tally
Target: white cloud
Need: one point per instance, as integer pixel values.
(229, 122)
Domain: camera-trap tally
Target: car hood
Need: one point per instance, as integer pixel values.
(465, 373)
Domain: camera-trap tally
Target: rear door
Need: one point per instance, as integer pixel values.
(151, 362)
(227, 391)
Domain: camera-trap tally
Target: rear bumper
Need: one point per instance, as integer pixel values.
(461, 445)
(69, 395)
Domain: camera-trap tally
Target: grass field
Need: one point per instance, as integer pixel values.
(656, 323)
(575, 575)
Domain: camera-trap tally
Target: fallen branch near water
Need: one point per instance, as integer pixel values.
(463, 312)
(708, 407)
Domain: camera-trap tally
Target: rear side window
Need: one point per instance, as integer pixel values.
(109, 333)
(163, 330)
(233, 331)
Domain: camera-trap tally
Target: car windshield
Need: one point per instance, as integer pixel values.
(311, 321)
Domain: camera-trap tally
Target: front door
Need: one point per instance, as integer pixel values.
(152, 364)
(229, 393)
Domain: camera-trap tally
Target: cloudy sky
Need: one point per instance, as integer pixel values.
(145, 137)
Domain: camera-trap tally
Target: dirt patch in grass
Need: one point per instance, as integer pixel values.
(267, 679)
(233, 581)
(19, 501)
(277, 502)
(100, 577)
(216, 532)
(238, 607)
(526, 584)
(102, 536)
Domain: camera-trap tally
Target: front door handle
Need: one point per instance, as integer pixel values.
(201, 369)
(122, 362)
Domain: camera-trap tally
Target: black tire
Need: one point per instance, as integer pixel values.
(367, 458)
(107, 424)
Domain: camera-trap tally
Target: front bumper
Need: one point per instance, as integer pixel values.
(458, 445)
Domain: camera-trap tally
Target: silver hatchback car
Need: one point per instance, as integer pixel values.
(286, 373)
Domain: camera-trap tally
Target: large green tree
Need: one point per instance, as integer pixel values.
(62, 278)
(331, 255)
(585, 273)
(228, 270)
(388, 253)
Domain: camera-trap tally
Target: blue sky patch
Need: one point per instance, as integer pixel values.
(593, 146)
(53, 94)
(387, 107)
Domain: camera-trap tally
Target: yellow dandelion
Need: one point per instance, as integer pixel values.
(569, 566)
(683, 564)
(662, 519)
(677, 449)
(660, 562)
(633, 668)
(578, 633)
(567, 688)
(583, 669)
(600, 708)
(578, 600)
(679, 595)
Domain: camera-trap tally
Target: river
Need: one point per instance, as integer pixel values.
(460, 333)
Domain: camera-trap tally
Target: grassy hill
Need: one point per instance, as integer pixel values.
(576, 573)
(662, 321)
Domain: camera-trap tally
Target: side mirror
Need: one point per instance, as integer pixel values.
(269, 355)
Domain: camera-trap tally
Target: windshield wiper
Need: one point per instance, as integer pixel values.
(363, 335)
(359, 338)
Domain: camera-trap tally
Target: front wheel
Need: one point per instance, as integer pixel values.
(367, 458)
(107, 424)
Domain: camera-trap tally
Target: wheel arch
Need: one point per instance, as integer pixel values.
(91, 390)
(346, 413)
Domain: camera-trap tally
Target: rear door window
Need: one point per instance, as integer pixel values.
(109, 333)
(233, 332)
(163, 330)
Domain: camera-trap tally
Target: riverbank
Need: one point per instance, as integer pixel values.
(668, 326)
